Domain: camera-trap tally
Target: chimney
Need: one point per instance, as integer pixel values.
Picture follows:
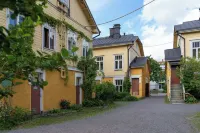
(115, 31)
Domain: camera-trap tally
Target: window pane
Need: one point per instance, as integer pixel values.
(52, 42)
(98, 65)
(121, 89)
(21, 18)
(120, 64)
(84, 51)
(101, 66)
(194, 53)
(199, 53)
(46, 38)
(12, 21)
(116, 64)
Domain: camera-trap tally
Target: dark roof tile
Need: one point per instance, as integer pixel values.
(188, 25)
(139, 62)
(173, 54)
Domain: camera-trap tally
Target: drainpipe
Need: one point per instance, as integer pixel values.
(97, 35)
(183, 42)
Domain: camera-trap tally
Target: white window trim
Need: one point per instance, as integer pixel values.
(49, 28)
(100, 62)
(85, 45)
(191, 47)
(79, 75)
(118, 78)
(122, 61)
(8, 17)
(74, 36)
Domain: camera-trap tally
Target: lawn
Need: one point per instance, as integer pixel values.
(71, 115)
(195, 119)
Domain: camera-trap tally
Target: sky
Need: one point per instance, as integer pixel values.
(154, 24)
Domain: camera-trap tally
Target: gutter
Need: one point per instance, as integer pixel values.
(98, 34)
(183, 41)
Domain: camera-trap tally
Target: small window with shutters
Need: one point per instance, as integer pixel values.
(49, 37)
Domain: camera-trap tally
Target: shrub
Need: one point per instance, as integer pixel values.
(121, 95)
(105, 91)
(76, 107)
(64, 104)
(127, 85)
(11, 117)
(130, 98)
(191, 99)
(54, 111)
(92, 103)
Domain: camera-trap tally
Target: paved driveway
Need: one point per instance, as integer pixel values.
(147, 116)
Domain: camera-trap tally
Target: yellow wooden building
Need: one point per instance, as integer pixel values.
(186, 44)
(52, 39)
(119, 56)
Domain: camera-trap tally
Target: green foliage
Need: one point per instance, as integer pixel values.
(105, 91)
(31, 8)
(64, 104)
(76, 107)
(89, 67)
(54, 111)
(189, 73)
(11, 117)
(130, 98)
(156, 75)
(120, 95)
(191, 99)
(92, 103)
(126, 85)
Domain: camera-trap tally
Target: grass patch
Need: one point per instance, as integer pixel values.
(195, 120)
(73, 115)
(167, 100)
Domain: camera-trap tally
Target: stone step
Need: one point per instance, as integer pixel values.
(177, 101)
(177, 98)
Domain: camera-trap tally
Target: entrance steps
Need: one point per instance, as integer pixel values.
(176, 94)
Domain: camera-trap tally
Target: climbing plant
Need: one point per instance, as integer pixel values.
(89, 67)
(126, 84)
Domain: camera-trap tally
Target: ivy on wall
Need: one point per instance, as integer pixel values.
(56, 22)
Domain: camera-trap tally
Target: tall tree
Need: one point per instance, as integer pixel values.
(157, 74)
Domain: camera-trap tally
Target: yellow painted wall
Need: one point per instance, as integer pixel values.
(56, 90)
(168, 78)
(22, 96)
(107, 80)
(108, 60)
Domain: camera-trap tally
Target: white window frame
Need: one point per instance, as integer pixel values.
(71, 35)
(9, 17)
(100, 62)
(86, 47)
(119, 61)
(52, 31)
(121, 85)
(65, 2)
(196, 48)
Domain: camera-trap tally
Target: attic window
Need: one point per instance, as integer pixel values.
(64, 5)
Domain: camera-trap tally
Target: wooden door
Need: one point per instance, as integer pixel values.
(147, 90)
(174, 78)
(35, 99)
(78, 90)
(135, 86)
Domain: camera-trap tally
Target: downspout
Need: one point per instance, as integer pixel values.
(99, 33)
(183, 42)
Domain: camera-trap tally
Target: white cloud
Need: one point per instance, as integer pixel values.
(159, 19)
(97, 5)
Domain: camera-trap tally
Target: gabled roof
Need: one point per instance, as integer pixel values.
(109, 41)
(173, 54)
(139, 62)
(89, 16)
(189, 25)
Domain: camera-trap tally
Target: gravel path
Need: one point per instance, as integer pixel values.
(151, 115)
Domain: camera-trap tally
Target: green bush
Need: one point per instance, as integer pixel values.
(105, 91)
(120, 95)
(92, 103)
(64, 104)
(76, 107)
(191, 99)
(54, 111)
(126, 85)
(130, 98)
(11, 117)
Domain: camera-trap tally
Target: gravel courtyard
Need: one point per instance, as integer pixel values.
(150, 115)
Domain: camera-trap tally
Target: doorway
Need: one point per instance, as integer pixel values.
(135, 86)
(174, 78)
(78, 90)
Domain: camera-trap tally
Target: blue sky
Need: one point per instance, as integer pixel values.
(153, 24)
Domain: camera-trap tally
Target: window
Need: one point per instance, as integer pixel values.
(118, 62)
(85, 47)
(48, 37)
(99, 61)
(14, 21)
(119, 85)
(72, 39)
(196, 49)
